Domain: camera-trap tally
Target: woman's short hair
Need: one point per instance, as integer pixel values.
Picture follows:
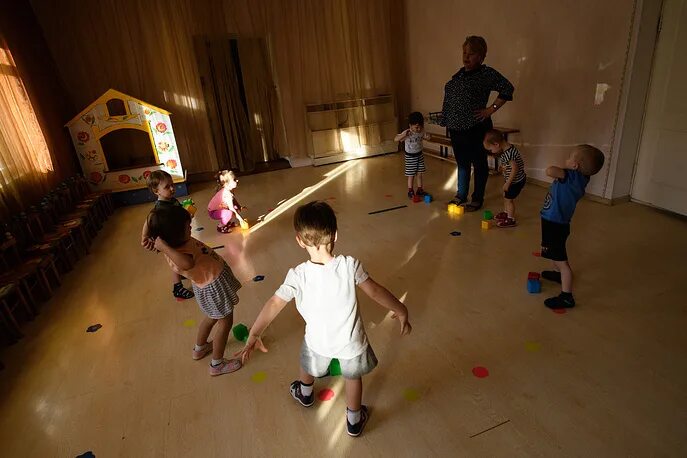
(477, 44)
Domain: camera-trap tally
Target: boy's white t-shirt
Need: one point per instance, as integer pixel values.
(326, 299)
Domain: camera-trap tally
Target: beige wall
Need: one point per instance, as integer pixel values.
(555, 53)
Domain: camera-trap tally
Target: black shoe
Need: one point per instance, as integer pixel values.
(560, 302)
(420, 192)
(306, 401)
(411, 194)
(457, 201)
(473, 206)
(357, 429)
(180, 292)
(551, 275)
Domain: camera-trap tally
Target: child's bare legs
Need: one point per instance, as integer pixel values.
(354, 393)
(419, 180)
(509, 207)
(565, 299)
(305, 378)
(411, 182)
(223, 326)
(204, 331)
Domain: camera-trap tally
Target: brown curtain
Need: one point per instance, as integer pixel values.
(25, 162)
(319, 50)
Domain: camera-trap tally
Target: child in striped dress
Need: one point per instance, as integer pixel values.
(214, 284)
(414, 158)
(513, 167)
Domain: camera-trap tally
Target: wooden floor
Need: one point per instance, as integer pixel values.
(606, 379)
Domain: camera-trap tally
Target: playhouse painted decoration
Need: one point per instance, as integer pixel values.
(89, 126)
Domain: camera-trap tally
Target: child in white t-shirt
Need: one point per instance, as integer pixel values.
(325, 294)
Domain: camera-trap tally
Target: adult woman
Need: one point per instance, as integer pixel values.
(468, 117)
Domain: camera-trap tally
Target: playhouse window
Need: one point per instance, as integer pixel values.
(128, 149)
(116, 107)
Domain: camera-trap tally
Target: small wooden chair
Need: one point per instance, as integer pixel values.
(11, 299)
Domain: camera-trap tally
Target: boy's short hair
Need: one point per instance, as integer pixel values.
(416, 118)
(591, 159)
(315, 224)
(155, 178)
(493, 136)
(169, 223)
(477, 44)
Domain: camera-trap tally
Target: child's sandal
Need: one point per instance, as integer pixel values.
(182, 293)
(224, 229)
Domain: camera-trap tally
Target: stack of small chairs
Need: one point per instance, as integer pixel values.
(42, 244)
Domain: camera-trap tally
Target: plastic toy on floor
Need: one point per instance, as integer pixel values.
(190, 206)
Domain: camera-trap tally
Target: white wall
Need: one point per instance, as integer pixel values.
(556, 54)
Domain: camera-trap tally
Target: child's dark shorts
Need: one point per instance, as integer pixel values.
(317, 365)
(514, 189)
(553, 238)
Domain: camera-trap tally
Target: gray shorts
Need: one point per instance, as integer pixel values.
(317, 365)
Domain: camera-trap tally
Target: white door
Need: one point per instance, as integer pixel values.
(661, 173)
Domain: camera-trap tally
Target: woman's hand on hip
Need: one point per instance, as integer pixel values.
(484, 113)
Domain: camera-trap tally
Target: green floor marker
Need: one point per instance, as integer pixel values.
(532, 346)
(190, 323)
(259, 377)
(240, 332)
(411, 394)
(334, 368)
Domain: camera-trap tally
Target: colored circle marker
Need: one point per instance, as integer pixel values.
(198, 229)
(190, 323)
(536, 254)
(331, 198)
(387, 195)
(94, 327)
(532, 346)
(325, 395)
(411, 394)
(259, 377)
(560, 311)
(259, 278)
(455, 233)
(480, 372)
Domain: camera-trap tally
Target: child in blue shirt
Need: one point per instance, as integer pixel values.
(566, 190)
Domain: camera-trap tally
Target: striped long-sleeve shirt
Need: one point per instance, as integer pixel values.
(468, 91)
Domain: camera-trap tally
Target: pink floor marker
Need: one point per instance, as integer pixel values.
(560, 311)
(536, 254)
(180, 299)
(325, 395)
(480, 372)
(387, 195)
(331, 198)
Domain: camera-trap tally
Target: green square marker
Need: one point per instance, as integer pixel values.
(488, 215)
(334, 368)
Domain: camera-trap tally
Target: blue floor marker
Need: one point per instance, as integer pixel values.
(94, 327)
(217, 247)
(455, 233)
(88, 454)
(198, 229)
(259, 278)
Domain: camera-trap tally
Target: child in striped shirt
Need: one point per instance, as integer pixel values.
(414, 158)
(513, 167)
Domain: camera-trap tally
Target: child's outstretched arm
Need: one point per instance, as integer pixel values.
(181, 260)
(402, 136)
(383, 297)
(268, 313)
(555, 172)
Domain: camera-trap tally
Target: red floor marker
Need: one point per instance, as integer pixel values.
(560, 311)
(180, 299)
(536, 254)
(480, 372)
(387, 195)
(325, 395)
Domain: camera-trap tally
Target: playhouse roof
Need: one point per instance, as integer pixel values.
(113, 94)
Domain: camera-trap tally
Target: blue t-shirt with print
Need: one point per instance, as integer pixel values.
(563, 195)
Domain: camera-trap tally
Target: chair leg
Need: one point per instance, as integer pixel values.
(30, 306)
(45, 283)
(11, 323)
(55, 273)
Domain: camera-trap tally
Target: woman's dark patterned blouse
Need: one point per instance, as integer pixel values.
(468, 91)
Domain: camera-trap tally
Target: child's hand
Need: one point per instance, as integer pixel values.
(159, 244)
(252, 342)
(406, 328)
(505, 187)
(148, 244)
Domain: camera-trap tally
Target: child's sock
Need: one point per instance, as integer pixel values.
(562, 301)
(306, 390)
(353, 416)
(216, 362)
(200, 347)
(551, 275)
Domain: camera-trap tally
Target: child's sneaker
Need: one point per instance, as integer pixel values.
(500, 216)
(306, 401)
(420, 192)
(227, 366)
(562, 301)
(203, 352)
(411, 194)
(357, 429)
(508, 222)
